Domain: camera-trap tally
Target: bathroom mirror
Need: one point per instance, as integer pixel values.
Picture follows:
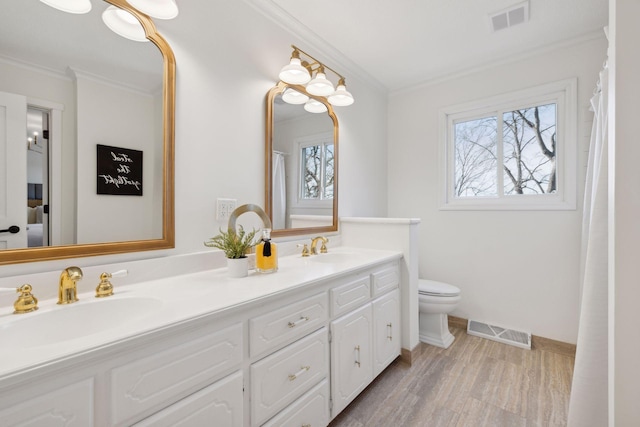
(301, 165)
(102, 69)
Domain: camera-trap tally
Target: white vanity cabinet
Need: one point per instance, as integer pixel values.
(296, 355)
(366, 340)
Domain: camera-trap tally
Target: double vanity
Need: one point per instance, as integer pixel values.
(290, 348)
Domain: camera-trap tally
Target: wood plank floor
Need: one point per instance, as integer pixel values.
(474, 383)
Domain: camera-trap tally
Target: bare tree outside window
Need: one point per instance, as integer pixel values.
(529, 137)
(475, 158)
(527, 160)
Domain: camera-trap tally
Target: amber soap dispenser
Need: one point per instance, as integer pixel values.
(266, 254)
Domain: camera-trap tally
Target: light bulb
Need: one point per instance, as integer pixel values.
(124, 24)
(314, 106)
(292, 96)
(294, 73)
(320, 86)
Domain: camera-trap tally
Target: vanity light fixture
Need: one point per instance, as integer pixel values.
(124, 24)
(299, 72)
(119, 20)
(69, 6)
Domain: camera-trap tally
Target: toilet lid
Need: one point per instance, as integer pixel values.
(431, 287)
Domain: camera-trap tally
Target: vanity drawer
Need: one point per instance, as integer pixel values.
(385, 280)
(287, 324)
(166, 376)
(71, 406)
(221, 401)
(279, 379)
(351, 295)
(311, 410)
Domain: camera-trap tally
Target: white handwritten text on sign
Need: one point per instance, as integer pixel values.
(119, 171)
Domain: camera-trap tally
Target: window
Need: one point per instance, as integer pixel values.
(317, 173)
(515, 151)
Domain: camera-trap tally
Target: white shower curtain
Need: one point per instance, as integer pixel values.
(279, 192)
(589, 393)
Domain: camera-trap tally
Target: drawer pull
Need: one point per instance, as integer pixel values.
(302, 370)
(296, 323)
(306, 425)
(358, 355)
(389, 337)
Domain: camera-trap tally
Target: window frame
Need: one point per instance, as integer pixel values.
(564, 95)
(325, 138)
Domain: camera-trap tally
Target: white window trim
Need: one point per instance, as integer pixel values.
(564, 94)
(299, 143)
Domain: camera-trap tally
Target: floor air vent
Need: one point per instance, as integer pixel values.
(496, 333)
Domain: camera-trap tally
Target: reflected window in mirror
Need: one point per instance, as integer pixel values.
(316, 175)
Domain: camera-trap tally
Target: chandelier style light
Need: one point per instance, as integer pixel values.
(299, 72)
(119, 20)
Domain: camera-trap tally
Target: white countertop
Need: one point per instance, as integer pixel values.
(159, 304)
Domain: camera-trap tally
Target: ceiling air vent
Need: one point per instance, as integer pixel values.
(514, 15)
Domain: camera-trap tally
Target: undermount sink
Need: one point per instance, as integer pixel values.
(69, 322)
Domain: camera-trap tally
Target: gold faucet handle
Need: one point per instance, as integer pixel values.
(305, 250)
(26, 302)
(105, 288)
(323, 248)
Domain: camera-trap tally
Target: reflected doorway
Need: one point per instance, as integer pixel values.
(38, 226)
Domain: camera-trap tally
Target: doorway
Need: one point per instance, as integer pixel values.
(38, 226)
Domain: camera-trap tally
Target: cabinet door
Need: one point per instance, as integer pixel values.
(351, 358)
(220, 404)
(386, 330)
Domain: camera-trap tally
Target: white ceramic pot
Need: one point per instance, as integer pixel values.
(238, 267)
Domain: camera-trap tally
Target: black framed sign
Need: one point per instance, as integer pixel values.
(119, 171)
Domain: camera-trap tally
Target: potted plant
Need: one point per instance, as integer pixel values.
(235, 246)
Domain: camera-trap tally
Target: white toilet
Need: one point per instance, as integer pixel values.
(435, 300)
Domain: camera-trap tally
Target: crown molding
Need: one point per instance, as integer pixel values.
(314, 42)
(507, 59)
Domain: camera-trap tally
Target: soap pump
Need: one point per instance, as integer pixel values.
(266, 254)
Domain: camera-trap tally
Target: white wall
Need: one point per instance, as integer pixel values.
(518, 269)
(119, 117)
(224, 70)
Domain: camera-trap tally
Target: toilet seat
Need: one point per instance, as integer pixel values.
(437, 289)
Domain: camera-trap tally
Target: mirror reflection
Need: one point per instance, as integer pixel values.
(70, 85)
(301, 165)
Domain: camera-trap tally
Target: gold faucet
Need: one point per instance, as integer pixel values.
(314, 243)
(67, 293)
(26, 302)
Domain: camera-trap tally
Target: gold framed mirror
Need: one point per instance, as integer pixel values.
(159, 185)
(305, 147)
